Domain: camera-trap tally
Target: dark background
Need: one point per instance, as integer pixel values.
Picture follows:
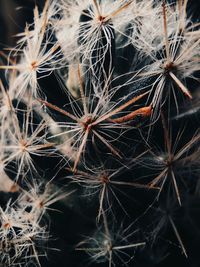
(13, 16)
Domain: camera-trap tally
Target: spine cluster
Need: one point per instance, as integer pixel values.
(99, 123)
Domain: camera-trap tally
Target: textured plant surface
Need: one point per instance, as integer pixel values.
(99, 136)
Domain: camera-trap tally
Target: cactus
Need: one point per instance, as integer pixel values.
(99, 135)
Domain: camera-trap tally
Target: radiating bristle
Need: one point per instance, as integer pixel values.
(99, 133)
